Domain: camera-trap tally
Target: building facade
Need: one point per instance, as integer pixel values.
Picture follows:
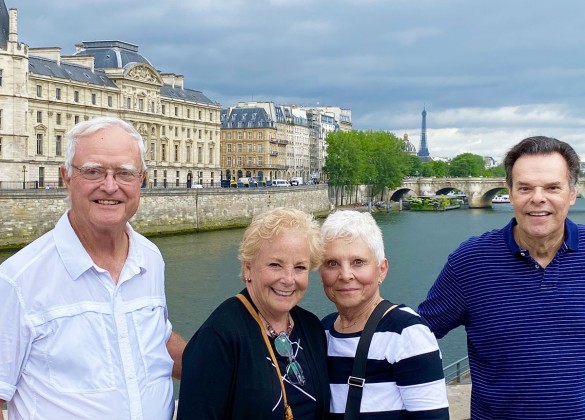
(44, 93)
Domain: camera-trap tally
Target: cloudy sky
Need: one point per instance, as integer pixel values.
(489, 73)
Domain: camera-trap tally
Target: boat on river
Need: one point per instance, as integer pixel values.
(500, 199)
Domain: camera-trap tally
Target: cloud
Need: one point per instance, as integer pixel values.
(489, 73)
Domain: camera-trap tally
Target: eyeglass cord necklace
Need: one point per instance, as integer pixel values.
(273, 333)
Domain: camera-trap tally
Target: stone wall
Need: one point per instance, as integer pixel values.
(27, 214)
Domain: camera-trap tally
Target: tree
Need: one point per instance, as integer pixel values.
(466, 164)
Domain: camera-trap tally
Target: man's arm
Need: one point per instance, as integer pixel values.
(175, 346)
(2, 402)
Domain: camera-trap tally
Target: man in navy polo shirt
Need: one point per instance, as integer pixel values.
(520, 293)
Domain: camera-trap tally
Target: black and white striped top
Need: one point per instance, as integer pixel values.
(525, 324)
(403, 374)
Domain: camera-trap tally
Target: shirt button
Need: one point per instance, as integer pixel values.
(131, 376)
(537, 266)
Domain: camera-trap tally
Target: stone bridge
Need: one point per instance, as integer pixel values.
(479, 191)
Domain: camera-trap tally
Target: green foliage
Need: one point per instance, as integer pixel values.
(496, 171)
(374, 158)
(466, 164)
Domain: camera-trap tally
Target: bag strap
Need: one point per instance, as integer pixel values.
(358, 374)
(288, 415)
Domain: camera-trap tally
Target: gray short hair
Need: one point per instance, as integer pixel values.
(90, 126)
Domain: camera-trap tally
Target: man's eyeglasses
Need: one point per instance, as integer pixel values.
(293, 369)
(97, 173)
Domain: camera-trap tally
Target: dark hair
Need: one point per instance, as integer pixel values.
(541, 145)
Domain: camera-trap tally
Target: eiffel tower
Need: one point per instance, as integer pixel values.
(423, 150)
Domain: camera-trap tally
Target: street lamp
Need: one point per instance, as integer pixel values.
(23, 177)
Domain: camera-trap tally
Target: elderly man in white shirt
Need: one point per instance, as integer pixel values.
(84, 328)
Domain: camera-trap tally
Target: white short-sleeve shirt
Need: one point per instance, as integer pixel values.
(75, 345)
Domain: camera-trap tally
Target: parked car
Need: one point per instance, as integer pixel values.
(296, 180)
(280, 183)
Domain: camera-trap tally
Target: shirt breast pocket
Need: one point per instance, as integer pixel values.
(78, 353)
(151, 327)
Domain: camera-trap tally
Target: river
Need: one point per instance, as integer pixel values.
(202, 268)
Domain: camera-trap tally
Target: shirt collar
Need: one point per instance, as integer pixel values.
(571, 236)
(76, 259)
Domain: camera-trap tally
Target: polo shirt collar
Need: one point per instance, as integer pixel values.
(571, 236)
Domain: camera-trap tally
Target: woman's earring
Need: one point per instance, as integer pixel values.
(247, 279)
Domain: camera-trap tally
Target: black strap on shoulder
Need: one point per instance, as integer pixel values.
(358, 374)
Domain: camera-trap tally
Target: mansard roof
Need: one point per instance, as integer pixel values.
(45, 67)
(190, 95)
(4, 25)
(112, 54)
(246, 118)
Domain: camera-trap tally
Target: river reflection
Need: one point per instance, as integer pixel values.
(203, 270)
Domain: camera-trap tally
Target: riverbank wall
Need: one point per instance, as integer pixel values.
(25, 215)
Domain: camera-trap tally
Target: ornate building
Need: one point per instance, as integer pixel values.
(43, 94)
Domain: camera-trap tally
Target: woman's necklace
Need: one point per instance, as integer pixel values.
(360, 317)
(273, 333)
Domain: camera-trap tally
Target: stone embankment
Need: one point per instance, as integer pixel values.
(25, 215)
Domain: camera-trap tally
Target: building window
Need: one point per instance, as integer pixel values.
(259, 160)
(259, 135)
(76, 119)
(76, 96)
(177, 177)
(128, 103)
(229, 161)
(211, 116)
(152, 146)
(110, 101)
(58, 147)
(176, 111)
(250, 135)
(239, 161)
(199, 114)
(188, 112)
(39, 116)
(141, 104)
(164, 130)
(0, 146)
(210, 155)
(93, 99)
(249, 160)
(211, 135)
(176, 152)
(0, 77)
(176, 131)
(39, 91)
(199, 154)
(229, 136)
(249, 147)
(1, 118)
(163, 109)
(239, 146)
(58, 93)
(200, 134)
(188, 154)
(188, 133)
(163, 152)
(240, 135)
(39, 144)
(58, 118)
(229, 147)
(260, 148)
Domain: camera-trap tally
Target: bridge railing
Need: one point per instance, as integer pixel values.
(456, 371)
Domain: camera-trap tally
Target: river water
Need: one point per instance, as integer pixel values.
(203, 270)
